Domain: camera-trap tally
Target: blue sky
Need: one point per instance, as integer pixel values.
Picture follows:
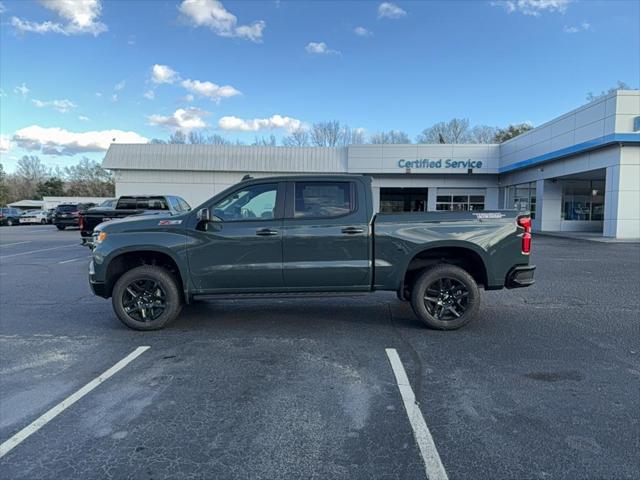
(75, 74)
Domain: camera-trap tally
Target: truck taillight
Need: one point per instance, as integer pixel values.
(81, 222)
(525, 222)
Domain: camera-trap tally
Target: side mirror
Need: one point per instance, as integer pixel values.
(203, 215)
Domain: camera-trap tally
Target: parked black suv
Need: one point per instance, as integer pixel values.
(66, 215)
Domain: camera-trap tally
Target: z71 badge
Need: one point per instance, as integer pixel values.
(169, 222)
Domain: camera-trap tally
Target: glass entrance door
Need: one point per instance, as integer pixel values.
(403, 199)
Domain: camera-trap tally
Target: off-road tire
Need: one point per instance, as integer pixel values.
(454, 276)
(168, 284)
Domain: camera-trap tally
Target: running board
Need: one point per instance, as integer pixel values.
(249, 296)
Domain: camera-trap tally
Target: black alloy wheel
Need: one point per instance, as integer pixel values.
(144, 300)
(446, 299)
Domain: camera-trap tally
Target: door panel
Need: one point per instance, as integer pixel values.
(322, 250)
(241, 250)
(235, 255)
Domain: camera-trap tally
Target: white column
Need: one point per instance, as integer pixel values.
(431, 199)
(622, 196)
(375, 192)
(491, 199)
(548, 205)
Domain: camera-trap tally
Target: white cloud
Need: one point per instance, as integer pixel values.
(163, 74)
(114, 98)
(212, 14)
(82, 118)
(390, 10)
(2, 8)
(362, 32)
(62, 106)
(276, 121)
(533, 8)
(5, 144)
(58, 141)
(22, 90)
(210, 90)
(78, 17)
(149, 95)
(188, 98)
(120, 86)
(181, 119)
(320, 48)
(583, 27)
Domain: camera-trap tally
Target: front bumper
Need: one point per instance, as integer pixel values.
(98, 288)
(520, 276)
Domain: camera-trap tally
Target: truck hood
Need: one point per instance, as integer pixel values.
(146, 221)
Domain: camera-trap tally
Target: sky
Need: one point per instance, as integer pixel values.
(75, 74)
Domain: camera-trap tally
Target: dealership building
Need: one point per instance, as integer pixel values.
(579, 172)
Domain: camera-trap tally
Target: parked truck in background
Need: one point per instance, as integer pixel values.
(126, 206)
(307, 236)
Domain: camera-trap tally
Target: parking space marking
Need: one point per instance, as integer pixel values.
(45, 418)
(2, 257)
(432, 463)
(14, 243)
(68, 261)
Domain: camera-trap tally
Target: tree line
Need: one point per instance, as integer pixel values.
(33, 180)
(332, 133)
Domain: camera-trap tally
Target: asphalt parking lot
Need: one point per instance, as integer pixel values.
(544, 384)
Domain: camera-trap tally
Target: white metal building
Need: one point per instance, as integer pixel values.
(578, 172)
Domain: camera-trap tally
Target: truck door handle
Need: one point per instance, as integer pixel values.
(266, 232)
(352, 230)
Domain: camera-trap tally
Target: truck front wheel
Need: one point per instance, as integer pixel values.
(146, 298)
(445, 297)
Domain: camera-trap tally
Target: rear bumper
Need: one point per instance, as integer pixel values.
(520, 276)
(67, 222)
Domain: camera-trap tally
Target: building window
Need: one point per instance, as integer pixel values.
(522, 198)
(457, 203)
(583, 200)
(403, 200)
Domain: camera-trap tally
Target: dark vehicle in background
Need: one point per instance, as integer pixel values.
(69, 214)
(308, 236)
(66, 215)
(128, 205)
(10, 216)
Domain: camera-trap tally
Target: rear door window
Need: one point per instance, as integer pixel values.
(323, 199)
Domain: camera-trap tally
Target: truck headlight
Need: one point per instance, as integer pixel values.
(100, 237)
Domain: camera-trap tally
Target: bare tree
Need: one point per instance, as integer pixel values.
(297, 138)
(326, 134)
(196, 138)
(177, 137)
(349, 136)
(483, 134)
(89, 179)
(455, 130)
(392, 136)
(216, 139)
(620, 85)
(265, 142)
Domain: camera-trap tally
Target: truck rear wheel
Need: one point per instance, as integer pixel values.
(445, 297)
(146, 298)
(61, 227)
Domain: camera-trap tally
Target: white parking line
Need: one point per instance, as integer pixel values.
(36, 251)
(72, 260)
(14, 243)
(45, 418)
(432, 463)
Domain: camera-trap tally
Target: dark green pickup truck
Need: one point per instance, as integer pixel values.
(307, 236)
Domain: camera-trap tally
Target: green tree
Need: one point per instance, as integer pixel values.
(504, 134)
(53, 187)
(620, 85)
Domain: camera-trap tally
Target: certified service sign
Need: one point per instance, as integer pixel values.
(446, 163)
